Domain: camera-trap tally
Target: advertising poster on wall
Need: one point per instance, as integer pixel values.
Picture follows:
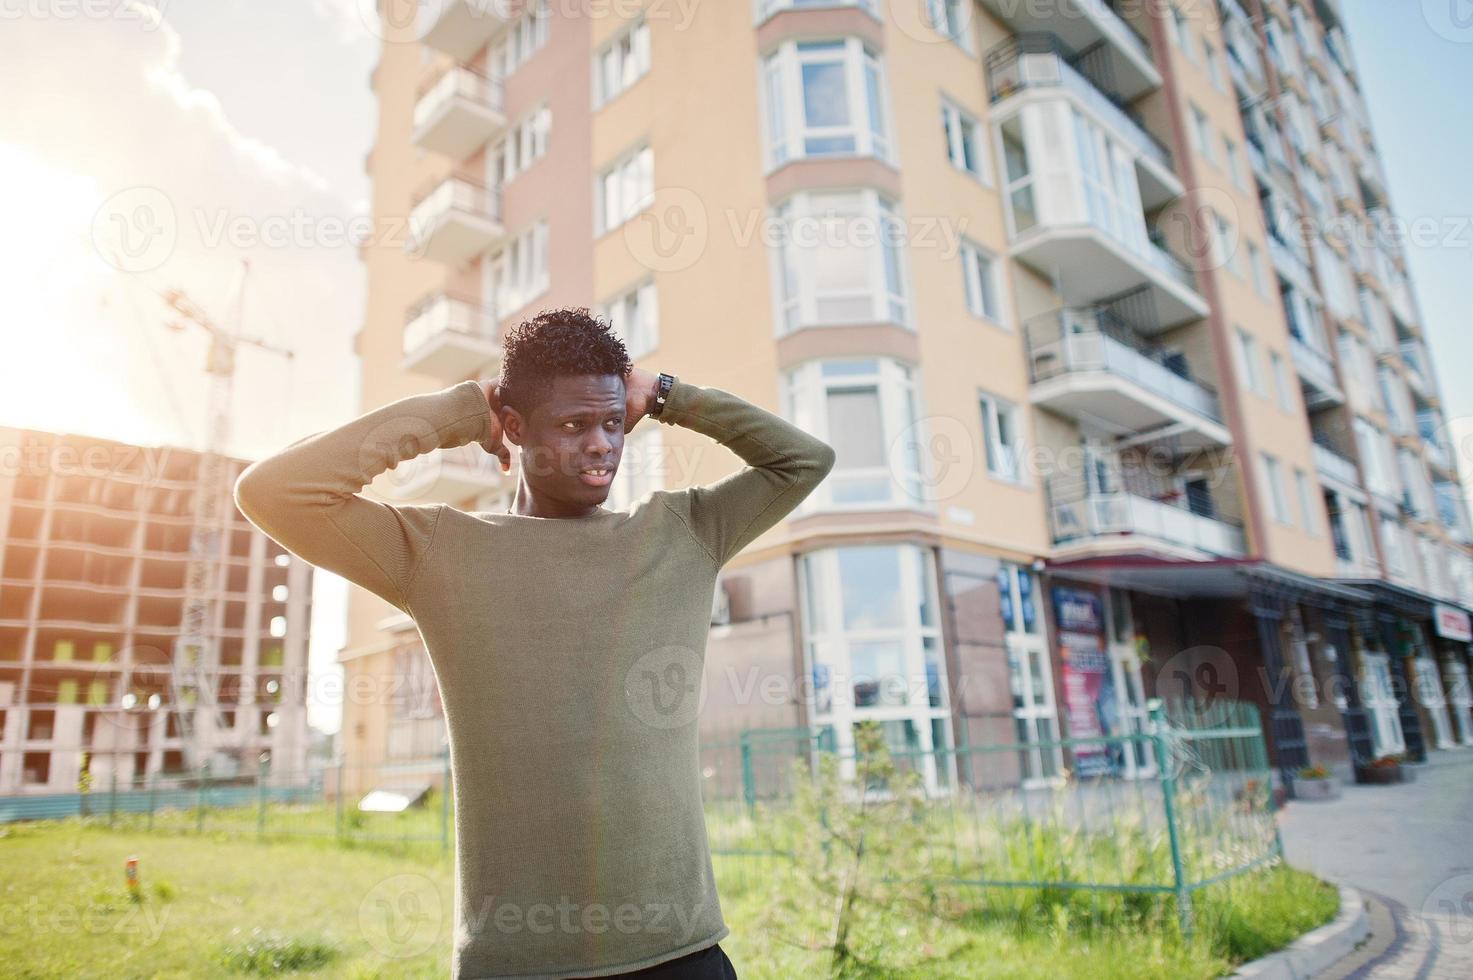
(1084, 668)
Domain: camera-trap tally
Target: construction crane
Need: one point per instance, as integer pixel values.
(196, 660)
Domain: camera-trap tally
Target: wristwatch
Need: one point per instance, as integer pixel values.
(662, 393)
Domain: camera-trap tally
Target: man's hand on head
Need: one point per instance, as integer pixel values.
(639, 396)
(493, 442)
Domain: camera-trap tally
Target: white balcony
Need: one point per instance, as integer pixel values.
(1081, 368)
(1139, 522)
(1088, 25)
(1093, 243)
(458, 112)
(449, 338)
(455, 220)
(1316, 375)
(1419, 375)
(1335, 468)
(460, 28)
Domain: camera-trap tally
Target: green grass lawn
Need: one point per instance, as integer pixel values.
(224, 903)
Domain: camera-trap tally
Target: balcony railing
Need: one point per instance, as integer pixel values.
(1331, 464)
(1114, 515)
(1164, 261)
(1042, 61)
(1086, 341)
(1314, 366)
(458, 111)
(455, 219)
(768, 8)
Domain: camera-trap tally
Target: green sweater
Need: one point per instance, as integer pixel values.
(569, 655)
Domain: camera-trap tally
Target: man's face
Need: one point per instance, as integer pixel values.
(576, 429)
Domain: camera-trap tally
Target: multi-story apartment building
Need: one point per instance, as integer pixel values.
(1121, 406)
(95, 541)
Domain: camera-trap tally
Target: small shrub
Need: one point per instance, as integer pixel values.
(269, 953)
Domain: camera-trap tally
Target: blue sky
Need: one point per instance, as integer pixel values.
(1416, 67)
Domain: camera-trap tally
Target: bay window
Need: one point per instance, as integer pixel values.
(866, 408)
(872, 649)
(838, 260)
(824, 98)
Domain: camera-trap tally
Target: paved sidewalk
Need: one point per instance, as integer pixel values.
(1409, 850)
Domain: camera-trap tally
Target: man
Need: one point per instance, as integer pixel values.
(567, 639)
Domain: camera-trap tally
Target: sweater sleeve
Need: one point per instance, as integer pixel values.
(784, 465)
(307, 498)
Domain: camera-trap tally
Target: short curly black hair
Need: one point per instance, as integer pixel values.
(568, 340)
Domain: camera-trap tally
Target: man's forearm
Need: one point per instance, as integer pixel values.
(784, 465)
(307, 496)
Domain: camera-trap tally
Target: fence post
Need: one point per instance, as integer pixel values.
(204, 775)
(261, 798)
(749, 777)
(112, 796)
(445, 807)
(341, 792)
(1168, 801)
(153, 788)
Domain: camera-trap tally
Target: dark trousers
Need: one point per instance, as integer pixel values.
(704, 964)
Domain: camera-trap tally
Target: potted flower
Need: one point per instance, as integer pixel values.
(1380, 771)
(1314, 783)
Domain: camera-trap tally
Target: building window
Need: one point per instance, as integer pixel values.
(1281, 381)
(825, 98)
(839, 260)
(1248, 371)
(951, 19)
(1202, 134)
(1273, 479)
(621, 63)
(872, 649)
(1306, 501)
(965, 146)
(1002, 437)
(635, 317)
(520, 41)
(1234, 162)
(625, 189)
(1111, 193)
(982, 283)
(1214, 66)
(866, 408)
(1183, 34)
(524, 144)
(519, 271)
(1255, 269)
(1225, 246)
(1030, 672)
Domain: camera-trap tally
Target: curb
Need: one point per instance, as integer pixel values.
(1316, 951)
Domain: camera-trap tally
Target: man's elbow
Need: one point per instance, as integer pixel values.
(251, 493)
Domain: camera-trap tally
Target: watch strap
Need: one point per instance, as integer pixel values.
(662, 393)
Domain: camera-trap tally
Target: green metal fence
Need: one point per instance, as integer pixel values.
(1184, 803)
(1192, 806)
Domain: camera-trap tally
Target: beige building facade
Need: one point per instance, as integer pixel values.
(1081, 292)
